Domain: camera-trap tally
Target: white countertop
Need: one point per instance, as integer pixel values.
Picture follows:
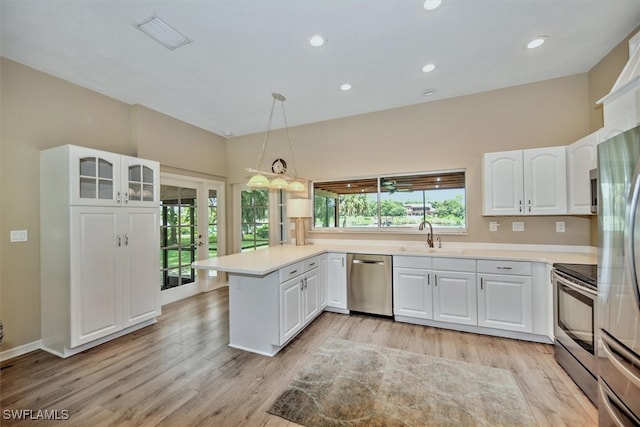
(264, 261)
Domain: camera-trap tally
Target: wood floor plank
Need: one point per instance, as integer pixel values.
(181, 371)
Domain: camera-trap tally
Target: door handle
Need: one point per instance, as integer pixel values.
(630, 231)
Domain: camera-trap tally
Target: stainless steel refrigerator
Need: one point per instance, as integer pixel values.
(618, 280)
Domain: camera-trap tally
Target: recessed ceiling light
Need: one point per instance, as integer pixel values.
(537, 42)
(317, 40)
(432, 4)
(345, 86)
(428, 68)
(163, 33)
(428, 92)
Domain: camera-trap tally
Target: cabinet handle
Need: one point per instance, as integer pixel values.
(126, 240)
(428, 279)
(520, 206)
(482, 283)
(293, 272)
(118, 197)
(301, 285)
(126, 197)
(305, 283)
(436, 279)
(119, 238)
(312, 264)
(529, 205)
(504, 268)
(343, 262)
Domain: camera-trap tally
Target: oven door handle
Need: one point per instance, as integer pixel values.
(581, 290)
(621, 359)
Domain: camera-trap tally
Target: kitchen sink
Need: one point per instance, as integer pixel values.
(428, 250)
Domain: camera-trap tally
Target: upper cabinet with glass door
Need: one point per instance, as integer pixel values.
(141, 183)
(100, 178)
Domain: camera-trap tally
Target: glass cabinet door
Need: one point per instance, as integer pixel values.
(141, 182)
(95, 179)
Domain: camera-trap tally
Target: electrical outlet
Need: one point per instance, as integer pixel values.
(559, 226)
(19, 236)
(518, 226)
(493, 226)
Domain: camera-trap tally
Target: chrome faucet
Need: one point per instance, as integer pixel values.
(429, 233)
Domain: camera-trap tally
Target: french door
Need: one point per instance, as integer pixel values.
(191, 215)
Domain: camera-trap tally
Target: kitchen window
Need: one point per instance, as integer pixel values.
(397, 203)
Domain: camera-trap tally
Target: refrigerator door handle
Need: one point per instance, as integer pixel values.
(621, 359)
(632, 213)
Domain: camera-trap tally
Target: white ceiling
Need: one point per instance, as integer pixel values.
(246, 49)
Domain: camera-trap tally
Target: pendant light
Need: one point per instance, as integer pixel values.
(280, 181)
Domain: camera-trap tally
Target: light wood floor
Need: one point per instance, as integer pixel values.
(180, 371)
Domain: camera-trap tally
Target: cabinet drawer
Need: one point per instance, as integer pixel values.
(520, 268)
(309, 263)
(454, 264)
(290, 271)
(412, 261)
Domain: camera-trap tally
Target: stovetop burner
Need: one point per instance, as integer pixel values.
(586, 272)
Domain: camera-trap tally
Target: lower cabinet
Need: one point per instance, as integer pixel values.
(482, 295)
(323, 284)
(505, 300)
(299, 303)
(412, 290)
(337, 281)
(454, 291)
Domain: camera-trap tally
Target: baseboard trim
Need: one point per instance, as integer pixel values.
(20, 350)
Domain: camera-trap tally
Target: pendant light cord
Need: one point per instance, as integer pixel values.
(260, 159)
(266, 135)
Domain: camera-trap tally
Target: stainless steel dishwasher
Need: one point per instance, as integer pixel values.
(369, 285)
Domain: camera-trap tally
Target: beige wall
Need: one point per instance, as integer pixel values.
(176, 144)
(447, 134)
(602, 77)
(40, 111)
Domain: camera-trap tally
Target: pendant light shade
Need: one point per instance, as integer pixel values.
(296, 187)
(258, 181)
(278, 184)
(280, 180)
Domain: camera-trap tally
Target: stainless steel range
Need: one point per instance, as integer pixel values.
(575, 304)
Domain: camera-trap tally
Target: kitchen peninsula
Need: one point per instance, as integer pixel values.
(275, 292)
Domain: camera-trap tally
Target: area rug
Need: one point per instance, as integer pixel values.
(350, 384)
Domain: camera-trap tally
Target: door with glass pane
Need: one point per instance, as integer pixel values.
(191, 229)
(178, 234)
(95, 177)
(140, 179)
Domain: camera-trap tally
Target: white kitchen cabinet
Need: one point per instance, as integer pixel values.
(525, 182)
(299, 302)
(100, 178)
(412, 289)
(337, 281)
(581, 159)
(505, 295)
(454, 291)
(291, 318)
(323, 284)
(311, 302)
(100, 261)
